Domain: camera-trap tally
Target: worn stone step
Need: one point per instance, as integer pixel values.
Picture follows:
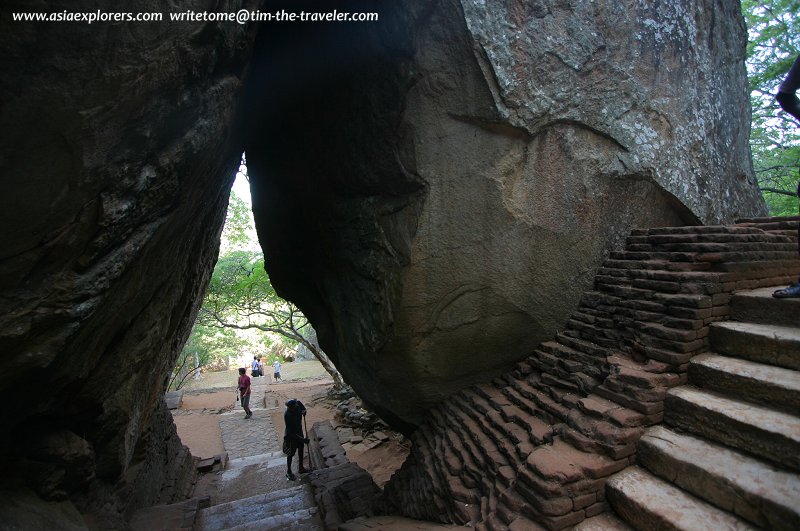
(759, 306)
(255, 508)
(181, 515)
(650, 504)
(603, 522)
(764, 343)
(752, 489)
(759, 430)
(392, 523)
(301, 520)
(756, 382)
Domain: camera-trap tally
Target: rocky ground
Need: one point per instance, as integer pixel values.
(209, 423)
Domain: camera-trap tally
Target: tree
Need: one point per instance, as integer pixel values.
(774, 43)
(240, 296)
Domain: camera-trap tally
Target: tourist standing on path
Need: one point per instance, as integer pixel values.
(789, 102)
(276, 369)
(244, 392)
(255, 368)
(295, 440)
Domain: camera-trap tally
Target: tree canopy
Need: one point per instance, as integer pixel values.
(241, 313)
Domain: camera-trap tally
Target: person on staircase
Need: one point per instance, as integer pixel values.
(294, 438)
(789, 102)
(244, 392)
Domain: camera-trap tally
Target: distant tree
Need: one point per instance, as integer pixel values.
(240, 296)
(774, 43)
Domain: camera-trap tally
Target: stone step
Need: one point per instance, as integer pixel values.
(770, 434)
(602, 522)
(258, 508)
(181, 515)
(392, 523)
(648, 503)
(301, 520)
(759, 306)
(753, 490)
(748, 380)
(763, 343)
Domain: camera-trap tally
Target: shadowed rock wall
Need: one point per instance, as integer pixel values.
(433, 189)
(436, 189)
(117, 151)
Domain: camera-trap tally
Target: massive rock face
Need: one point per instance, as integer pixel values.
(436, 189)
(117, 151)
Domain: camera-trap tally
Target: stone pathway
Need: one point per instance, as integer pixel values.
(252, 492)
(254, 436)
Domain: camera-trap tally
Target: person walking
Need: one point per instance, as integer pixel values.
(244, 392)
(789, 102)
(276, 371)
(293, 436)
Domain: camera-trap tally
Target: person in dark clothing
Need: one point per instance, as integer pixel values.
(293, 418)
(787, 98)
(787, 91)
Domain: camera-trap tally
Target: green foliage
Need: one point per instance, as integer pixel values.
(774, 43)
(241, 314)
(239, 231)
(240, 296)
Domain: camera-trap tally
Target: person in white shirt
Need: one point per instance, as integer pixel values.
(276, 369)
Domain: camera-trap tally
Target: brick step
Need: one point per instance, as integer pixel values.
(770, 434)
(666, 275)
(560, 482)
(769, 243)
(747, 380)
(661, 265)
(471, 453)
(759, 306)
(648, 503)
(753, 490)
(571, 359)
(501, 432)
(294, 504)
(484, 436)
(751, 236)
(539, 431)
(783, 251)
(553, 411)
(766, 224)
(763, 343)
(437, 465)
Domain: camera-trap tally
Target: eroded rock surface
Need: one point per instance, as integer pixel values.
(436, 190)
(117, 150)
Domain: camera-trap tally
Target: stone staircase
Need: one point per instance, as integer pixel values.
(289, 509)
(535, 448)
(728, 453)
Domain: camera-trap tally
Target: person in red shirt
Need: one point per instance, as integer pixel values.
(244, 392)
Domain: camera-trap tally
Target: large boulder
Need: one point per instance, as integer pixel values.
(436, 189)
(117, 151)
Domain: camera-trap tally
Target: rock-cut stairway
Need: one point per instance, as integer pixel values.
(728, 453)
(664, 361)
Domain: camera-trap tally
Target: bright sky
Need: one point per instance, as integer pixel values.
(242, 188)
